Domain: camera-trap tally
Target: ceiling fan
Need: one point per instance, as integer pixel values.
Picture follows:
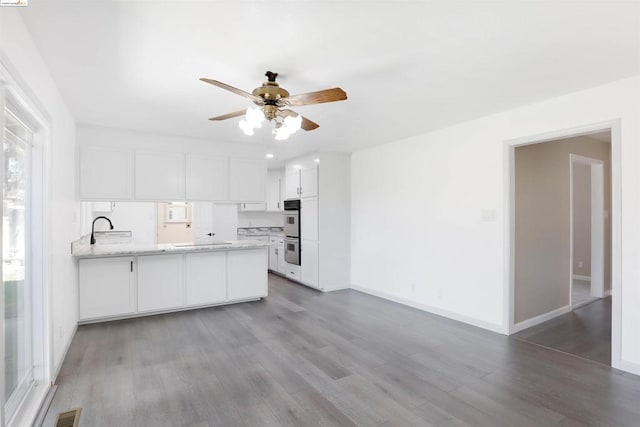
(272, 103)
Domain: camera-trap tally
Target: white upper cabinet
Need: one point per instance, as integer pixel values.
(302, 181)
(118, 174)
(207, 177)
(247, 180)
(106, 173)
(309, 181)
(292, 187)
(159, 176)
(274, 191)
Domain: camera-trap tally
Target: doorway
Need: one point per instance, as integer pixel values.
(590, 229)
(549, 264)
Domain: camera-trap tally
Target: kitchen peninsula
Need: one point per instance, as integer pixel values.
(120, 281)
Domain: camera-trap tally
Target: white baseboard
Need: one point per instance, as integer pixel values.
(580, 277)
(630, 367)
(434, 310)
(607, 293)
(64, 354)
(540, 319)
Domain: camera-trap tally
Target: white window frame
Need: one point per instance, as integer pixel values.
(14, 92)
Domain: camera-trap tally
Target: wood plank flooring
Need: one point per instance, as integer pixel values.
(584, 332)
(303, 358)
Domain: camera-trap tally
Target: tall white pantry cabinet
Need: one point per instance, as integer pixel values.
(322, 183)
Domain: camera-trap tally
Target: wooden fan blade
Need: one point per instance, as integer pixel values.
(327, 95)
(229, 116)
(306, 123)
(235, 90)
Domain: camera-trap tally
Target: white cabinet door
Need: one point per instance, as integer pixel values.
(207, 177)
(159, 176)
(247, 180)
(106, 173)
(309, 263)
(206, 278)
(225, 222)
(309, 181)
(247, 273)
(202, 222)
(160, 284)
(273, 191)
(106, 287)
(273, 258)
(292, 185)
(309, 219)
(282, 266)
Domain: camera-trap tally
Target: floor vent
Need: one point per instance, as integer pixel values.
(69, 419)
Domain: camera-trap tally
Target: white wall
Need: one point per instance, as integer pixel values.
(108, 137)
(428, 212)
(20, 56)
(137, 217)
(260, 219)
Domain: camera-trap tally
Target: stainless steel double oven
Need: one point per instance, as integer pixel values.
(292, 231)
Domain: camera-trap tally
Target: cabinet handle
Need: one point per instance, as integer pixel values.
(132, 266)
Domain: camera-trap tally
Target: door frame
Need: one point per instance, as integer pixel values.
(509, 147)
(597, 208)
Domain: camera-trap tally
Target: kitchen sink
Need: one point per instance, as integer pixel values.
(182, 245)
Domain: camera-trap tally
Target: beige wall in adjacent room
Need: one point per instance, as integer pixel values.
(581, 219)
(542, 221)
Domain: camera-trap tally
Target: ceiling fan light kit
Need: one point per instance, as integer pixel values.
(271, 101)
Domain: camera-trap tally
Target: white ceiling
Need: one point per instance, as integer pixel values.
(407, 67)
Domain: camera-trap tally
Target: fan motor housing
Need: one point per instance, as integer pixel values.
(271, 92)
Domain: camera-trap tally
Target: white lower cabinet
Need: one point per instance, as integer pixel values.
(160, 284)
(276, 255)
(273, 258)
(247, 274)
(282, 265)
(145, 284)
(107, 287)
(309, 260)
(206, 278)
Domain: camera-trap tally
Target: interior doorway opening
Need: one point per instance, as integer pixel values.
(590, 230)
(561, 247)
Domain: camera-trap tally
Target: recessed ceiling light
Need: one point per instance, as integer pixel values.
(270, 156)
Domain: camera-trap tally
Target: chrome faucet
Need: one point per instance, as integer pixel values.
(93, 239)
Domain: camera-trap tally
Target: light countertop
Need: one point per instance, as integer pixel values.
(103, 251)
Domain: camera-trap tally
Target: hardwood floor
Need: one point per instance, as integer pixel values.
(303, 358)
(584, 332)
